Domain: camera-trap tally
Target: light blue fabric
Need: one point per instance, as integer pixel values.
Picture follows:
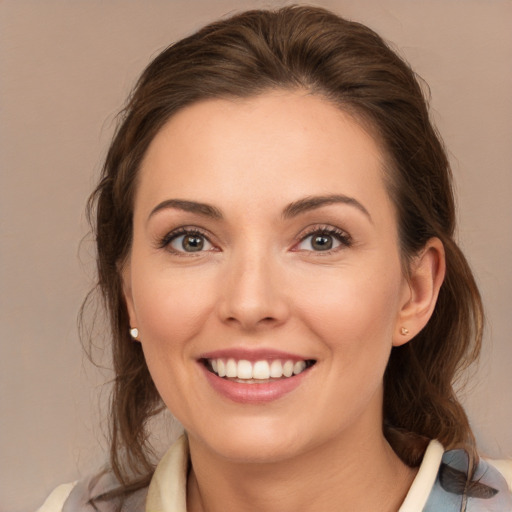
(80, 496)
(488, 492)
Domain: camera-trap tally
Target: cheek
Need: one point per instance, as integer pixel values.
(354, 318)
(172, 312)
(353, 306)
(170, 309)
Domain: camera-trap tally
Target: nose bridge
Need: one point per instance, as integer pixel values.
(252, 294)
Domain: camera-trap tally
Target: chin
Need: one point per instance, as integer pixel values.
(263, 442)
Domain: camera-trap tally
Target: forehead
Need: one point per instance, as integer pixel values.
(274, 147)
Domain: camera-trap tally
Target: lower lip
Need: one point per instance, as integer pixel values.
(253, 393)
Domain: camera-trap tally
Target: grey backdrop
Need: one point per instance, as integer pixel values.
(65, 69)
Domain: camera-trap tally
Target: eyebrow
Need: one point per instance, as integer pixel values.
(292, 210)
(314, 202)
(188, 206)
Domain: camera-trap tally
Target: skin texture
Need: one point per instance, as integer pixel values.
(259, 283)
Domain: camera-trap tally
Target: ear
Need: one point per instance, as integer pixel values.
(426, 275)
(126, 279)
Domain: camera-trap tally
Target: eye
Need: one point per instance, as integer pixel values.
(187, 241)
(324, 240)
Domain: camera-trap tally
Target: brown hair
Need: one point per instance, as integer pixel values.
(350, 65)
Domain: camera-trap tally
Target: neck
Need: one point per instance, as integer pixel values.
(355, 472)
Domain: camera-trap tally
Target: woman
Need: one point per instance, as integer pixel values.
(275, 249)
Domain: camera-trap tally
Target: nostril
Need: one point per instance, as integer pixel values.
(248, 322)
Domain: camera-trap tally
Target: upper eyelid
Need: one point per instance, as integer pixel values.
(166, 239)
(344, 238)
(323, 228)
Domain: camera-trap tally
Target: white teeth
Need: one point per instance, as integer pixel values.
(231, 368)
(244, 369)
(288, 369)
(299, 367)
(221, 368)
(259, 370)
(276, 369)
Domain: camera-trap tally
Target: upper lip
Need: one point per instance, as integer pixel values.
(253, 355)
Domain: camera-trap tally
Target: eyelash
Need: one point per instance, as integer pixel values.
(342, 237)
(166, 241)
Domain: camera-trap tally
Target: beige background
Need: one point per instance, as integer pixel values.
(65, 69)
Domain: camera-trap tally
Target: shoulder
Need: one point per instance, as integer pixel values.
(441, 484)
(489, 490)
(167, 486)
(88, 495)
(505, 468)
(57, 498)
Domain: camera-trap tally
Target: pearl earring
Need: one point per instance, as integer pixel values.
(134, 333)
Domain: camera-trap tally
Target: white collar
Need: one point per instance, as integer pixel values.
(168, 488)
(422, 485)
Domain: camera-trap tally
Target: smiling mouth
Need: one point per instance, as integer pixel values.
(256, 372)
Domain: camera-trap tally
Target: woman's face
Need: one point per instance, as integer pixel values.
(264, 244)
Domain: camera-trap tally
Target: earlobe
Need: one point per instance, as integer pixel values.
(426, 275)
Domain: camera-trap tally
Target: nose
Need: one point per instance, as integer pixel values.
(253, 293)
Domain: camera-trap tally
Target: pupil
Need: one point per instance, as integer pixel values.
(193, 243)
(322, 242)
